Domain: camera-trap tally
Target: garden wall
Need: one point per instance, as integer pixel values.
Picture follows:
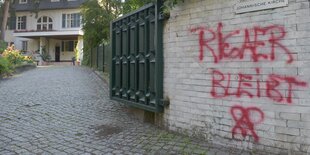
(239, 80)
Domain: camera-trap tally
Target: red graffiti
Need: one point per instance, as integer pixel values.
(258, 44)
(255, 42)
(245, 123)
(203, 41)
(250, 85)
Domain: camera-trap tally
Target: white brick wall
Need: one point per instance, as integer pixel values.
(284, 127)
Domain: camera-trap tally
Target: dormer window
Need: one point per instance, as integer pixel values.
(45, 23)
(22, 1)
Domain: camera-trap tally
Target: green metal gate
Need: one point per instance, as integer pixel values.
(94, 57)
(137, 59)
(100, 58)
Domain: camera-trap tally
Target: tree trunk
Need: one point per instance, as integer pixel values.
(6, 6)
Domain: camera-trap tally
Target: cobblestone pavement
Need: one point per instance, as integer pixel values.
(66, 110)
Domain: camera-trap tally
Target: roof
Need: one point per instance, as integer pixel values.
(48, 5)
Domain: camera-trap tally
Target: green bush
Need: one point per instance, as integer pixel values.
(14, 56)
(10, 59)
(5, 66)
(3, 46)
(28, 59)
(45, 55)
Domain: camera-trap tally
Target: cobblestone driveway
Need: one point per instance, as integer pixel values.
(66, 110)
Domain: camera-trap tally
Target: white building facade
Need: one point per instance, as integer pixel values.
(55, 28)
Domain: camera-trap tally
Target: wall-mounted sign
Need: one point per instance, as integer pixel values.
(243, 6)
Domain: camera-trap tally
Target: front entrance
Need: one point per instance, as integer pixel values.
(57, 54)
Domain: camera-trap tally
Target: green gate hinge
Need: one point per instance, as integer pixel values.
(165, 102)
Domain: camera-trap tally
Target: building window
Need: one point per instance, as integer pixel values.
(71, 20)
(68, 45)
(21, 23)
(24, 45)
(54, 0)
(22, 1)
(45, 23)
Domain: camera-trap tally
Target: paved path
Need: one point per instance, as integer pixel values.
(66, 110)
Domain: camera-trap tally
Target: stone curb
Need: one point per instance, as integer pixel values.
(103, 76)
(23, 68)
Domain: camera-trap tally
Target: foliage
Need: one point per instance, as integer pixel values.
(5, 66)
(130, 5)
(28, 59)
(172, 3)
(96, 21)
(97, 16)
(86, 56)
(10, 58)
(169, 4)
(45, 55)
(13, 56)
(3, 46)
(77, 54)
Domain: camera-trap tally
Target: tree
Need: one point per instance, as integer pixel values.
(97, 15)
(130, 5)
(5, 12)
(96, 20)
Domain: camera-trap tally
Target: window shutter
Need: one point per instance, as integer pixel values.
(63, 20)
(12, 23)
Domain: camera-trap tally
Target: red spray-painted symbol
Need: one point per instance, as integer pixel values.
(245, 123)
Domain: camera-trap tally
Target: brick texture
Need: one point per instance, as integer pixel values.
(268, 98)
